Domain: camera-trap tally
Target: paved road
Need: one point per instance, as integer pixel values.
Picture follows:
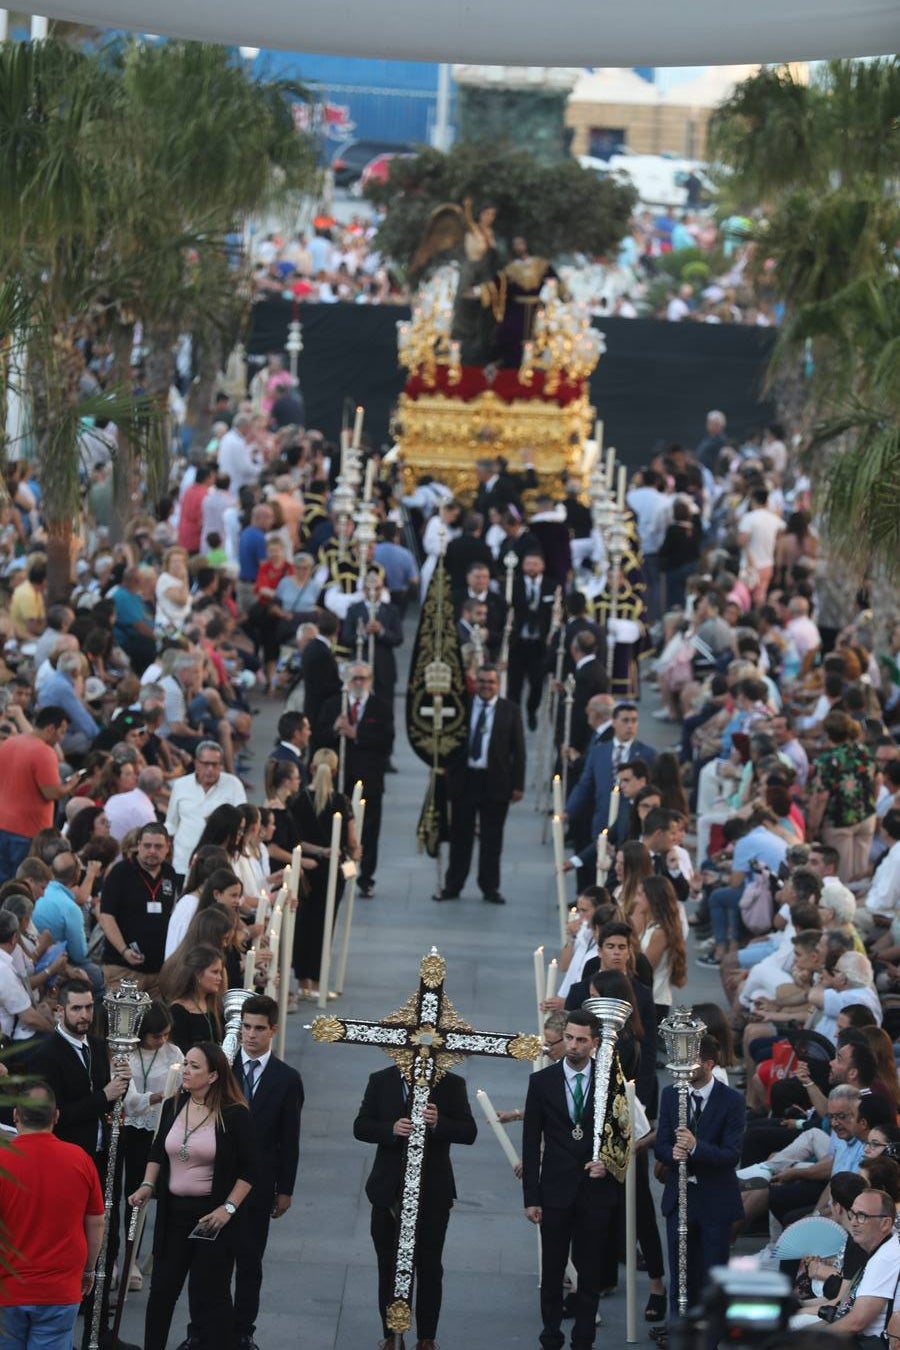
(319, 1291)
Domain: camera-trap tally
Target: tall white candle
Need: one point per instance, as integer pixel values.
(492, 1119)
(285, 956)
(622, 484)
(552, 974)
(602, 858)
(262, 907)
(249, 967)
(598, 437)
(370, 479)
(173, 1080)
(539, 986)
(358, 426)
(359, 815)
(293, 882)
(272, 978)
(610, 467)
(334, 863)
(557, 795)
(615, 798)
(559, 858)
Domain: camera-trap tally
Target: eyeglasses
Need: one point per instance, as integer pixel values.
(838, 1115)
(860, 1216)
(873, 1143)
(551, 1045)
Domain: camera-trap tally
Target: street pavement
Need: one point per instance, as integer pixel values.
(319, 1290)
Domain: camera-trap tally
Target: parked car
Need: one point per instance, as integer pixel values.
(376, 171)
(350, 159)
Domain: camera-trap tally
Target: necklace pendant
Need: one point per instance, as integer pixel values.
(577, 1132)
(183, 1153)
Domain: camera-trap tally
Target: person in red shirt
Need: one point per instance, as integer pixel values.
(29, 772)
(52, 1209)
(263, 619)
(190, 520)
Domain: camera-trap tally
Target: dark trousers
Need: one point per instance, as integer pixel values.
(526, 662)
(589, 1230)
(647, 1229)
(370, 832)
(135, 1145)
(476, 806)
(708, 1245)
(207, 1268)
(429, 1267)
(793, 1196)
(252, 1237)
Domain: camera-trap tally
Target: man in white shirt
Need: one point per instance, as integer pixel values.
(19, 1019)
(237, 457)
(194, 799)
(800, 628)
(884, 893)
(758, 532)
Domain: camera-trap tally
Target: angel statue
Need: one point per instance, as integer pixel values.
(474, 317)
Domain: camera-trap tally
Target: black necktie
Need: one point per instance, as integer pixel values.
(618, 755)
(697, 1112)
(478, 733)
(250, 1071)
(659, 867)
(86, 1056)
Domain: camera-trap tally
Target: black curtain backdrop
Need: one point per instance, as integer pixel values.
(655, 384)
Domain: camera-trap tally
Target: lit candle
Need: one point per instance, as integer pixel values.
(358, 426)
(249, 967)
(262, 908)
(557, 795)
(492, 1119)
(615, 798)
(293, 884)
(272, 978)
(602, 858)
(173, 1080)
(552, 974)
(559, 858)
(539, 975)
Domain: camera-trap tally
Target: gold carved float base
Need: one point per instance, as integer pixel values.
(444, 436)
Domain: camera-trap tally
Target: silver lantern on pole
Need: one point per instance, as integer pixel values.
(232, 1007)
(682, 1033)
(612, 1014)
(125, 1011)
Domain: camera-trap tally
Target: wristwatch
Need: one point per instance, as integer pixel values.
(230, 1207)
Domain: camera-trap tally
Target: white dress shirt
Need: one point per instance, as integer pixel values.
(189, 807)
(261, 1060)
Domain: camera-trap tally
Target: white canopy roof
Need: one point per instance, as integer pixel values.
(520, 32)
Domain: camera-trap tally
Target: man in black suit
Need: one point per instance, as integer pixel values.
(387, 630)
(467, 549)
(590, 678)
(383, 1119)
(318, 667)
(660, 837)
(711, 1144)
(572, 1198)
(532, 603)
(473, 615)
(519, 539)
(274, 1093)
(369, 731)
(293, 738)
(76, 1066)
(478, 581)
(495, 490)
(488, 774)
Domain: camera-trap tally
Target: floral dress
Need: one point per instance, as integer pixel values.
(847, 774)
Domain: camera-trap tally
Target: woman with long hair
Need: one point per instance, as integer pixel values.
(206, 860)
(90, 822)
(616, 984)
(117, 776)
(224, 829)
(194, 995)
(646, 799)
(882, 1048)
(656, 920)
(636, 864)
(173, 592)
(313, 810)
(282, 784)
(665, 776)
(201, 1169)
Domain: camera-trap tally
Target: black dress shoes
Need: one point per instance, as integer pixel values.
(495, 898)
(446, 895)
(366, 889)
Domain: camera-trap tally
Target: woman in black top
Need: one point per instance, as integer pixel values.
(313, 811)
(679, 552)
(195, 997)
(202, 1168)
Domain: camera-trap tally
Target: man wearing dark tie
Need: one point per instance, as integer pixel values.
(533, 610)
(660, 836)
(604, 759)
(76, 1066)
(711, 1145)
(572, 1198)
(478, 587)
(274, 1093)
(487, 774)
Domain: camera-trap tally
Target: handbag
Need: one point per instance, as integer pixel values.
(756, 904)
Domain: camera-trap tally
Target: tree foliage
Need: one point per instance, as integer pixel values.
(560, 208)
(823, 162)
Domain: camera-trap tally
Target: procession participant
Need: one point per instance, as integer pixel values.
(136, 902)
(318, 667)
(381, 619)
(487, 775)
(293, 738)
(202, 1167)
(274, 1093)
(532, 602)
(570, 1196)
(383, 1120)
(478, 587)
(594, 788)
(368, 729)
(711, 1146)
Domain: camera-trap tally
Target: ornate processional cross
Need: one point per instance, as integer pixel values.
(425, 1038)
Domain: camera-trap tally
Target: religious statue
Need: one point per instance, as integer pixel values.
(449, 228)
(515, 298)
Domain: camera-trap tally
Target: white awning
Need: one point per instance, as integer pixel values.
(521, 32)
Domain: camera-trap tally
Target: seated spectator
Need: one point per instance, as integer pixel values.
(60, 913)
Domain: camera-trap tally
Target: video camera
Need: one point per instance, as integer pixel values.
(741, 1307)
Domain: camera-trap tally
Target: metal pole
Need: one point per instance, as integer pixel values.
(631, 1228)
(682, 1203)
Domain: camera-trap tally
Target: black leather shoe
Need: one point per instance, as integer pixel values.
(446, 895)
(366, 889)
(495, 898)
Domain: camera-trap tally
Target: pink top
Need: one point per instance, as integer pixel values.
(193, 1176)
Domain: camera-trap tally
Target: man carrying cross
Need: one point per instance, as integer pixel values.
(414, 1113)
(384, 1120)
